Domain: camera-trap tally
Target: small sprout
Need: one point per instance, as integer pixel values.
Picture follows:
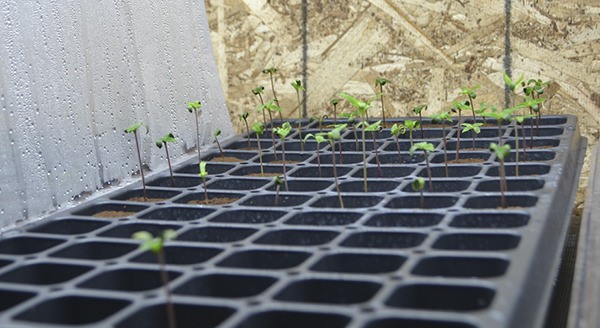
(512, 85)
(283, 131)
(396, 130)
(203, 174)
(244, 117)
(426, 147)
(269, 107)
(459, 106)
(194, 108)
(411, 126)
(258, 128)
(334, 102)
(169, 137)
(278, 184)
(133, 129)
(381, 81)
(419, 111)
(297, 85)
(443, 117)
(475, 127)
(418, 185)
(216, 135)
(271, 71)
(501, 152)
(332, 136)
(470, 93)
(258, 91)
(352, 122)
(319, 137)
(373, 128)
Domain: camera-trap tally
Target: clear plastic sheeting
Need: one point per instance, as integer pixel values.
(75, 75)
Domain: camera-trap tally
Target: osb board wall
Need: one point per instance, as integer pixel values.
(427, 49)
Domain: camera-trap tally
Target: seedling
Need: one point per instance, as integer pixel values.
(519, 120)
(340, 128)
(203, 174)
(396, 130)
(475, 127)
(278, 184)
(411, 126)
(194, 108)
(156, 246)
(419, 111)
(373, 128)
(334, 102)
(319, 119)
(443, 117)
(258, 91)
(332, 136)
(299, 87)
(244, 117)
(216, 135)
(258, 128)
(512, 86)
(169, 137)
(418, 184)
(470, 93)
(534, 89)
(133, 129)
(534, 106)
(500, 116)
(270, 106)
(318, 138)
(272, 71)
(426, 147)
(381, 81)
(459, 107)
(501, 152)
(352, 122)
(484, 107)
(282, 132)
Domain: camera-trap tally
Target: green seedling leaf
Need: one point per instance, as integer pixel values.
(258, 127)
(419, 109)
(284, 130)
(298, 85)
(243, 116)
(411, 125)
(335, 101)
(512, 85)
(278, 180)
(134, 127)
(361, 106)
(472, 126)
(151, 243)
(217, 133)
(441, 117)
(424, 146)
(501, 151)
(372, 127)
(169, 137)
(258, 90)
(418, 184)
(469, 92)
(520, 119)
(271, 70)
(193, 106)
(203, 173)
(381, 81)
(398, 129)
(460, 105)
(319, 137)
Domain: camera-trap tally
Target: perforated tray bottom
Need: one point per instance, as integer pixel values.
(382, 261)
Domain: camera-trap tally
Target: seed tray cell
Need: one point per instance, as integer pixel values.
(277, 257)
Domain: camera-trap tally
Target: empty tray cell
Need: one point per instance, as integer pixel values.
(44, 273)
(443, 186)
(477, 242)
(325, 291)
(214, 198)
(537, 142)
(454, 171)
(530, 156)
(69, 226)
(464, 267)
(152, 195)
(225, 285)
(213, 168)
(349, 201)
(394, 159)
(546, 120)
(441, 297)
(263, 259)
(512, 185)
(127, 230)
(512, 201)
(216, 234)
(350, 146)
(374, 186)
(95, 250)
(305, 185)
(414, 202)
(542, 132)
(293, 319)
(228, 157)
(524, 170)
(284, 200)
(463, 158)
(253, 145)
(4, 263)
(491, 220)
(186, 316)
(323, 218)
(304, 132)
(175, 213)
(296, 237)
(26, 245)
(72, 310)
(248, 216)
(180, 255)
(386, 172)
(415, 323)
(409, 220)
(326, 171)
(10, 298)
(347, 158)
(404, 146)
(358, 263)
(295, 145)
(427, 134)
(127, 280)
(111, 210)
(467, 145)
(395, 240)
(254, 170)
(180, 182)
(238, 184)
(290, 158)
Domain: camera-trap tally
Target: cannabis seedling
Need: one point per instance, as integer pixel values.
(272, 71)
(319, 119)
(373, 128)
(520, 120)
(534, 89)
(426, 147)
(418, 184)
(501, 152)
(258, 91)
(258, 128)
(203, 174)
(334, 102)
(471, 94)
(381, 81)
(282, 132)
(318, 138)
(156, 246)
(352, 122)
(411, 126)
(475, 127)
(194, 108)
(244, 117)
(419, 111)
(443, 117)
(169, 137)
(459, 107)
(216, 136)
(297, 85)
(512, 86)
(278, 184)
(340, 127)
(270, 106)
(500, 116)
(332, 136)
(396, 130)
(133, 129)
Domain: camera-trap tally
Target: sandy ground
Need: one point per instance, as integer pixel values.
(427, 49)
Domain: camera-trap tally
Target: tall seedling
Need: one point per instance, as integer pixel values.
(443, 117)
(334, 102)
(269, 106)
(411, 126)
(501, 152)
(156, 246)
(333, 136)
(216, 136)
(258, 128)
(373, 128)
(340, 127)
(512, 86)
(258, 91)
(244, 117)
(169, 137)
(459, 107)
(471, 94)
(352, 122)
(272, 71)
(282, 132)
(419, 111)
(133, 129)
(194, 108)
(396, 130)
(520, 120)
(500, 116)
(203, 174)
(297, 85)
(475, 127)
(534, 89)
(318, 138)
(380, 82)
(426, 147)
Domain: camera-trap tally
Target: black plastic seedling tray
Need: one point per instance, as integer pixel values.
(382, 261)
